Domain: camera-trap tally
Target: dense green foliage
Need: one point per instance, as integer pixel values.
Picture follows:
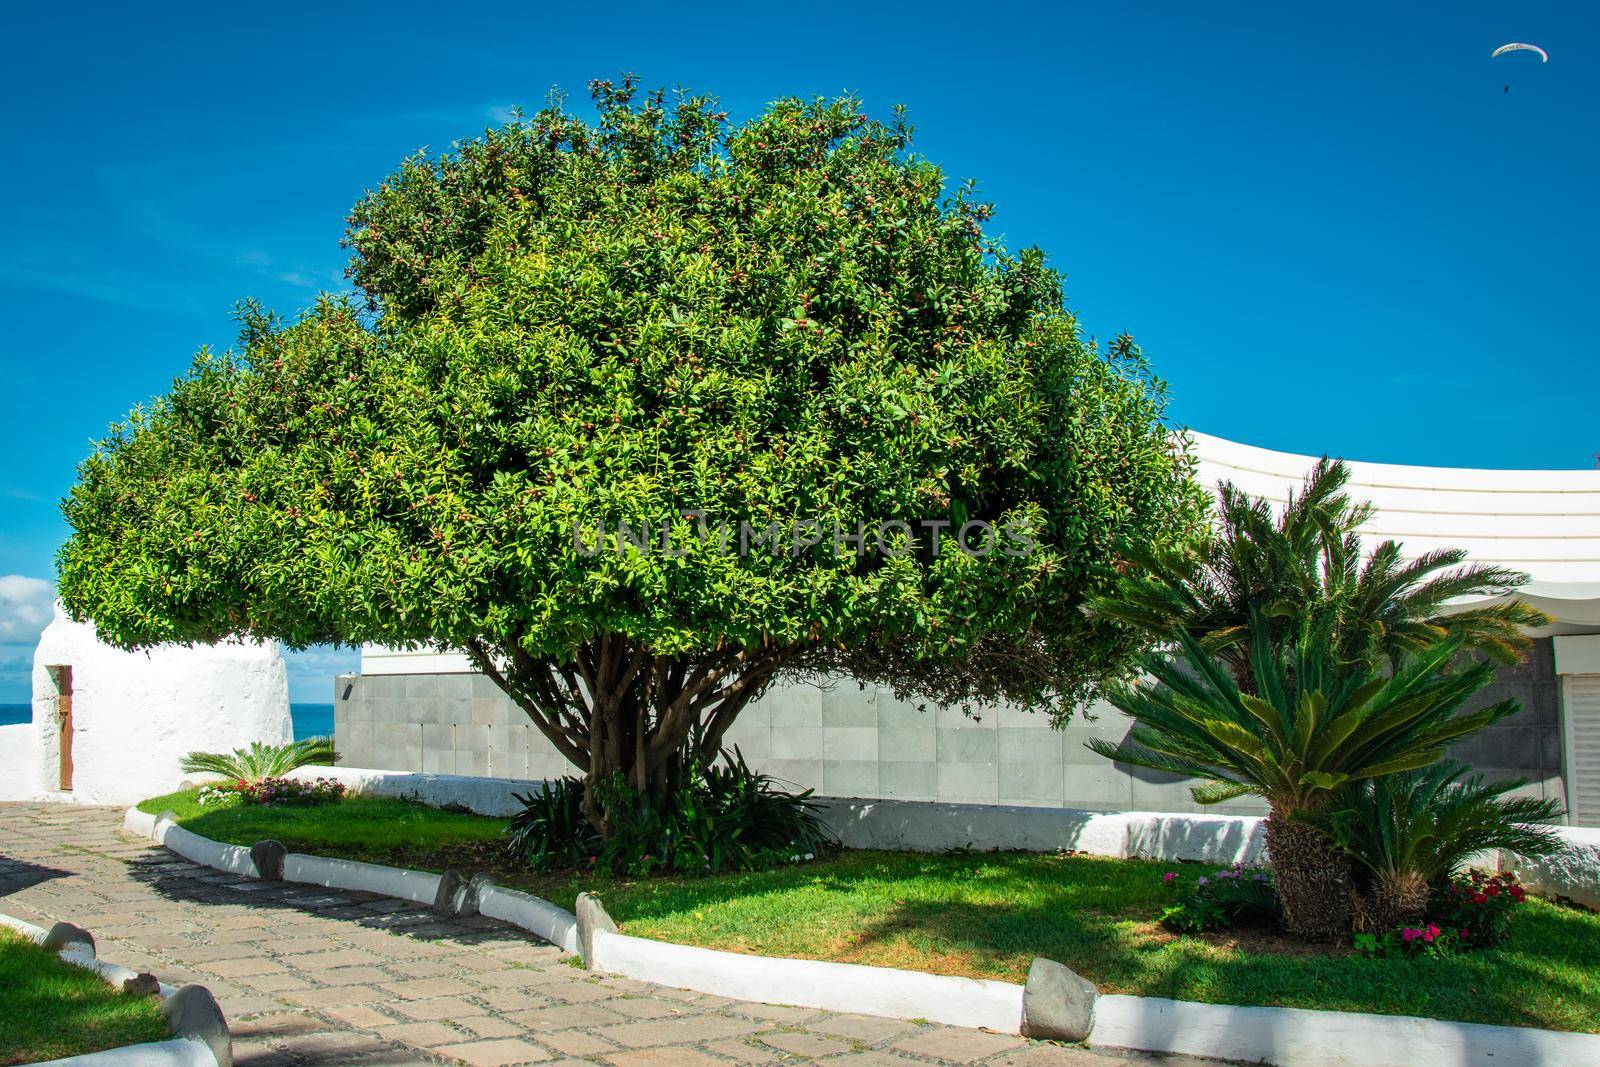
(659, 318)
(1310, 665)
(726, 817)
(50, 1009)
(1286, 562)
(262, 760)
(1427, 822)
(1220, 899)
(1408, 834)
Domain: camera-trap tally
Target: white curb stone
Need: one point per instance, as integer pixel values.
(178, 1052)
(1305, 1038)
(847, 987)
(208, 853)
(364, 877)
(540, 917)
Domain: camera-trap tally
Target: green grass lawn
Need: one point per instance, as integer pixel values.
(400, 833)
(987, 915)
(50, 1009)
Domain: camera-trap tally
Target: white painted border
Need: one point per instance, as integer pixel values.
(482, 796)
(202, 850)
(534, 914)
(79, 955)
(539, 917)
(849, 987)
(418, 886)
(177, 1052)
(1306, 1038)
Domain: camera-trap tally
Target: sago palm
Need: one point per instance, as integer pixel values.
(1410, 832)
(1308, 556)
(1315, 724)
(262, 761)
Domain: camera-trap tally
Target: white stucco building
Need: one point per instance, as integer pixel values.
(110, 726)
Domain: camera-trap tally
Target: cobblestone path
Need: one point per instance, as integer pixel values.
(313, 976)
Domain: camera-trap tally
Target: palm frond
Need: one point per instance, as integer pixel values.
(260, 760)
(1428, 821)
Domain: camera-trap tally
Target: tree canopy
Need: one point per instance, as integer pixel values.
(657, 317)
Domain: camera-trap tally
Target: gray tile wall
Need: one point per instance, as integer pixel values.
(851, 741)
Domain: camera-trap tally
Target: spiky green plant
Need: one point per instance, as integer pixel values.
(1410, 832)
(1316, 724)
(262, 761)
(1307, 556)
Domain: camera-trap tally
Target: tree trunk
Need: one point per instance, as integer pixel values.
(1397, 899)
(617, 710)
(1313, 880)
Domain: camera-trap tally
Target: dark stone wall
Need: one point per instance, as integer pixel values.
(1528, 744)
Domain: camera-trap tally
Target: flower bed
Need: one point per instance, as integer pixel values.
(271, 791)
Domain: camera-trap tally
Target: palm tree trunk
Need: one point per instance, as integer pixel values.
(1313, 880)
(1396, 899)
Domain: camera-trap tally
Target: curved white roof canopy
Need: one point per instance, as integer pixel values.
(1545, 523)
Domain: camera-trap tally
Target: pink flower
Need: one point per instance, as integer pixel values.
(1409, 934)
(1169, 876)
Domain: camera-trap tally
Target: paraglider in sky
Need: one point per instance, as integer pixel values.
(1517, 46)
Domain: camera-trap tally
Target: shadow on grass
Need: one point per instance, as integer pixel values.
(988, 915)
(1547, 974)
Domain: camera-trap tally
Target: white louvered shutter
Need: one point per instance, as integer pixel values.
(1583, 724)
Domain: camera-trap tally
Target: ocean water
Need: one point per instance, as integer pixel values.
(310, 720)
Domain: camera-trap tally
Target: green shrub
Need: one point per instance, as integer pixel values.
(1464, 914)
(725, 817)
(1408, 834)
(1429, 939)
(1477, 908)
(1233, 896)
(261, 761)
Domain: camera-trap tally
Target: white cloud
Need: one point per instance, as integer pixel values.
(312, 671)
(26, 608)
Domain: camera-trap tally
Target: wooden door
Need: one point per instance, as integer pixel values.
(63, 680)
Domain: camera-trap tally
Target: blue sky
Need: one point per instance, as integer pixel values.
(1331, 230)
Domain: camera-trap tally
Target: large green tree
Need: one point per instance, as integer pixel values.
(661, 319)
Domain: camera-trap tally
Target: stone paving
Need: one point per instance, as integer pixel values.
(307, 975)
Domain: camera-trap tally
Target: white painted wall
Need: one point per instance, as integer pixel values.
(19, 762)
(136, 714)
(376, 659)
(1545, 523)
